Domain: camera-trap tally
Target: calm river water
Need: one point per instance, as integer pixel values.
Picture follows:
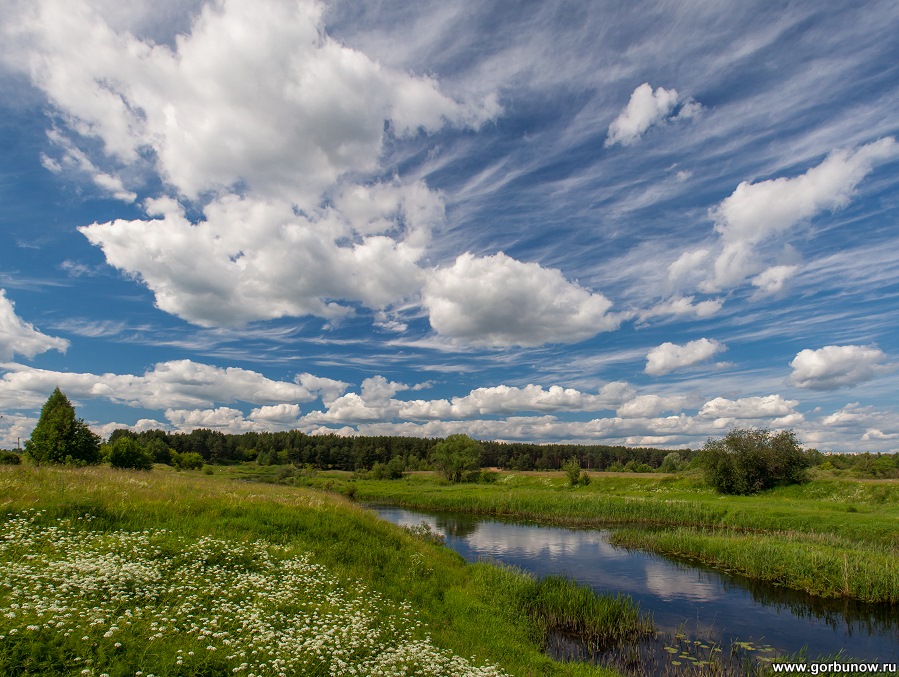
(698, 602)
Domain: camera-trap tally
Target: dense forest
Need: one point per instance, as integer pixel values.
(336, 452)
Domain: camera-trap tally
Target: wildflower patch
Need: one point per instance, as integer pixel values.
(74, 600)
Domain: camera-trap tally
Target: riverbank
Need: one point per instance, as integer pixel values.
(184, 573)
(831, 537)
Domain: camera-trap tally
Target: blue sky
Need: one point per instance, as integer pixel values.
(618, 223)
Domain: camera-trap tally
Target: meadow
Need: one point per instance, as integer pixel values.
(832, 536)
(112, 572)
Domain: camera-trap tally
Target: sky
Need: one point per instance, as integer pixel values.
(640, 223)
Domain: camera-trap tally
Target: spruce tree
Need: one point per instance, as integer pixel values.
(60, 437)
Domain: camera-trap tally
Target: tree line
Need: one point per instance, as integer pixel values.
(745, 461)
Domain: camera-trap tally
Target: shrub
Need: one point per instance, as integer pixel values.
(189, 460)
(746, 461)
(576, 476)
(128, 453)
(9, 457)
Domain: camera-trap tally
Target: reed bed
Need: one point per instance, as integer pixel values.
(821, 565)
(559, 606)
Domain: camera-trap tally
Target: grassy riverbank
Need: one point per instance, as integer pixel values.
(115, 572)
(831, 537)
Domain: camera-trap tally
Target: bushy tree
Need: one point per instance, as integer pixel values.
(60, 437)
(128, 453)
(573, 471)
(189, 460)
(455, 455)
(671, 462)
(746, 461)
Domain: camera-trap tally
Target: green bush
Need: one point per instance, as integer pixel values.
(746, 461)
(189, 460)
(9, 457)
(128, 453)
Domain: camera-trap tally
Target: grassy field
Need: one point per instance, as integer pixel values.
(119, 573)
(831, 537)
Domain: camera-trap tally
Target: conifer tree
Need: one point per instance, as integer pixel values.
(60, 437)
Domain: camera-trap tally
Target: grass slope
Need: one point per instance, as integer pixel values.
(124, 573)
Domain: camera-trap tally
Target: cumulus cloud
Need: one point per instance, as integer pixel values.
(649, 406)
(670, 356)
(833, 367)
(258, 259)
(224, 419)
(168, 385)
(645, 109)
(747, 408)
(317, 113)
(756, 212)
(18, 337)
(499, 301)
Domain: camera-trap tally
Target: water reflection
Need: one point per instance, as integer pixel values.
(681, 596)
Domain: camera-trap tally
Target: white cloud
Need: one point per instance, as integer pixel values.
(257, 259)
(499, 301)
(282, 109)
(18, 337)
(680, 306)
(645, 109)
(648, 406)
(329, 389)
(175, 384)
(283, 415)
(834, 367)
(756, 212)
(670, 356)
(772, 280)
(687, 265)
(223, 419)
(747, 408)
(75, 160)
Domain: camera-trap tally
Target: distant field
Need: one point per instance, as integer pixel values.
(162, 573)
(832, 537)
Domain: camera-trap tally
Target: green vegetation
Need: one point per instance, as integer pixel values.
(575, 475)
(127, 453)
(830, 537)
(9, 457)
(456, 455)
(749, 461)
(60, 437)
(182, 573)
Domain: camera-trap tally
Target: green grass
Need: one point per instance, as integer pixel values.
(186, 573)
(830, 537)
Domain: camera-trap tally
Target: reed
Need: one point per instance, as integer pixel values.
(821, 565)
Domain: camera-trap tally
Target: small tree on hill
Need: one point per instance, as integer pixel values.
(455, 455)
(60, 437)
(746, 461)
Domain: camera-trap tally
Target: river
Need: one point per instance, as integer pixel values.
(691, 602)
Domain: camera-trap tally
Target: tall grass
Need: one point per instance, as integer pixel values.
(557, 605)
(156, 568)
(821, 565)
